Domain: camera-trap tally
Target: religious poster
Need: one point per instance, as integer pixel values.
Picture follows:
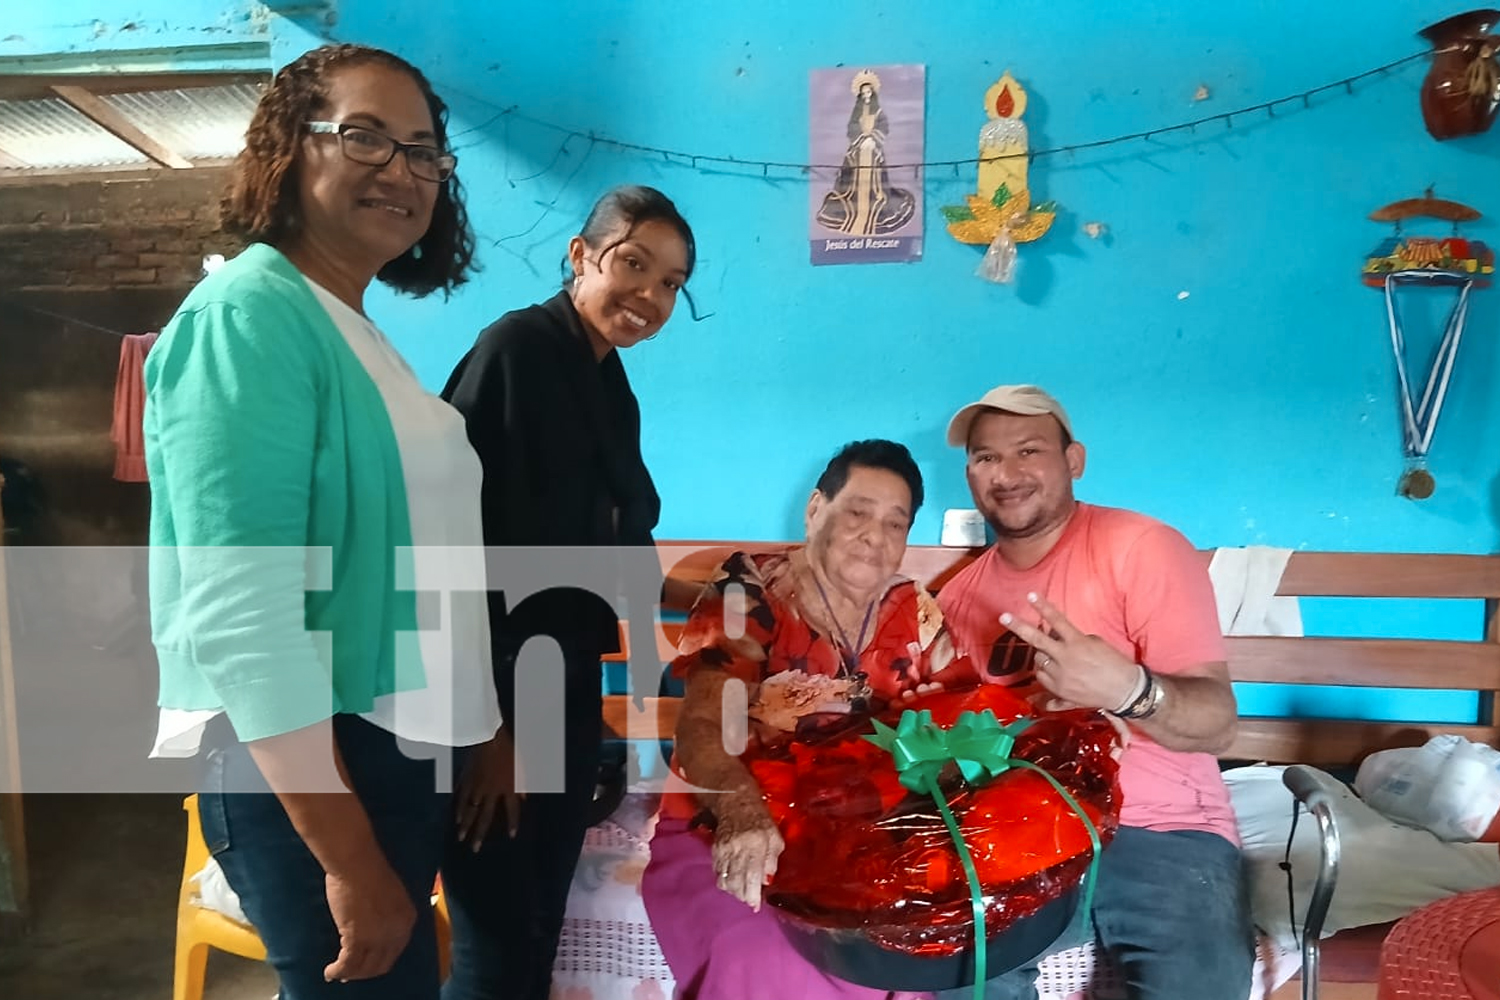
(865, 189)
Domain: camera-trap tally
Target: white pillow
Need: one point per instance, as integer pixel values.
(1385, 870)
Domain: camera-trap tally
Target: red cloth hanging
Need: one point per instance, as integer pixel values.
(130, 406)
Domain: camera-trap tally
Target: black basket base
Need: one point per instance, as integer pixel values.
(851, 956)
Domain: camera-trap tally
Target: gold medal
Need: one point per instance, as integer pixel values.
(1416, 484)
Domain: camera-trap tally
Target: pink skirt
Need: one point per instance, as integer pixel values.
(719, 948)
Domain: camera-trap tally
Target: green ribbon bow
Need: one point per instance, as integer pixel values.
(980, 748)
(977, 743)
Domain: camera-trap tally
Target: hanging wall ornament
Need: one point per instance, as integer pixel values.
(1462, 91)
(1403, 262)
(1000, 214)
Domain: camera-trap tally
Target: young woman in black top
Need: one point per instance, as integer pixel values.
(556, 425)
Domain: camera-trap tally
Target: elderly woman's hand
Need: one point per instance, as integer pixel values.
(912, 694)
(746, 845)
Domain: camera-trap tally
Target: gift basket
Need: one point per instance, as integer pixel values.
(960, 803)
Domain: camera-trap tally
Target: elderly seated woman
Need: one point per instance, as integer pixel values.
(813, 633)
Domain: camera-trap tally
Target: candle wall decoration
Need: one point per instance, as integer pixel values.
(1000, 214)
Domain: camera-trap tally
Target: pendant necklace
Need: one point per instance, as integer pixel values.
(847, 653)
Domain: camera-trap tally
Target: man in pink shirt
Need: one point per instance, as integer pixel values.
(1083, 606)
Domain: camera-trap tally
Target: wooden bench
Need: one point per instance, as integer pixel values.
(1334, 744)
(1438, 664)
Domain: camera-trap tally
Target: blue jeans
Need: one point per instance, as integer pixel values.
(281, 884)
(1172, 911)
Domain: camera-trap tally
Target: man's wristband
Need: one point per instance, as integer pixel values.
(1145, 704)
(1141, 683)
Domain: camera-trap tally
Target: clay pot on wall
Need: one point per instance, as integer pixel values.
(1462, 91)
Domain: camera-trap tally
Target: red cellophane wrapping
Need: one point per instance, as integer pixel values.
(864, 852)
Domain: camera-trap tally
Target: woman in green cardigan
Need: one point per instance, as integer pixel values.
(297, 472)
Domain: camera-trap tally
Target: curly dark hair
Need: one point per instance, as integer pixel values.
(876, 453)
(261, 203)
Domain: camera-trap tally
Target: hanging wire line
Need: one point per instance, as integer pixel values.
(72, 320)
(550, 206)
(695, 159)
(513, 181)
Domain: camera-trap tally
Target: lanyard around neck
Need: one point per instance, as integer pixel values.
(850, 653)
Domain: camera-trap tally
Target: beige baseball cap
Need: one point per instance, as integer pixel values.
(1027, 400)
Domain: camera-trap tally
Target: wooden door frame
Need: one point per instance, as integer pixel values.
(12, 817)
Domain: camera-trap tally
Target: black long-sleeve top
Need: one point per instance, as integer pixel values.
(558, 433)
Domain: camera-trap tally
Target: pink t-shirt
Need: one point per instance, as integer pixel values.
(1142, 587)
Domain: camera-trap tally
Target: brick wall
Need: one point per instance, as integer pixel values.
(98, 234)
(77, 255)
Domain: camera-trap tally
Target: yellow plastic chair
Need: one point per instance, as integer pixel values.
(199, 928)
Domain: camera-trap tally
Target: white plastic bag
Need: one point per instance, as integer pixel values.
(215, 893)
(1449, 785)
(999, 263)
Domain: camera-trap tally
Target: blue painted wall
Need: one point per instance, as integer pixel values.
(1257, 408)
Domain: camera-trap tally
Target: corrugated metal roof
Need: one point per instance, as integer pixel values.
(50, 134)
(205, 123)
(199, 123)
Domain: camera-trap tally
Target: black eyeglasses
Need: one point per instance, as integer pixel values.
(375, 149)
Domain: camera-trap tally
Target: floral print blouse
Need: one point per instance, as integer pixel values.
(749, 623)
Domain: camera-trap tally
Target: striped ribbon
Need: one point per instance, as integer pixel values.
(1419, 420)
